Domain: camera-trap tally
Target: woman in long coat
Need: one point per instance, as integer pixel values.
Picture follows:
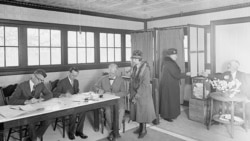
(169, 86)
(142, 108)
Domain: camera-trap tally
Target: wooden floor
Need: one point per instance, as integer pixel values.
(182, 128)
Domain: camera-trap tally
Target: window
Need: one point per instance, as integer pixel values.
(110, 47)
(128, 47)
(44, 46)
(185, 41)
(81, 47)
(8, 46)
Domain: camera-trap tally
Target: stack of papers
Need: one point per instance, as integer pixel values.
(11, 111)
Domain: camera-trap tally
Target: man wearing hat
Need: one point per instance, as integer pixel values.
(169, 89)
(142, 108)
(29, 92)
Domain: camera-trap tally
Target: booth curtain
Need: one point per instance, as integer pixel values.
(172, 38)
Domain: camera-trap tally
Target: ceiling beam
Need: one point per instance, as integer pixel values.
(68, 10)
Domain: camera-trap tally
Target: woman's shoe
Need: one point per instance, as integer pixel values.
(143, 131)
(138, 130)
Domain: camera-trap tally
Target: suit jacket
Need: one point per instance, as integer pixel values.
(64, 86)
(23, 93)
(118, 87)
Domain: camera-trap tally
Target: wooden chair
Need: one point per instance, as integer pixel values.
(21, 130)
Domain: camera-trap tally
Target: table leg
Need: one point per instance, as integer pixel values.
(96, 120)
(1, 132)
(232, 119)
(211, 113)
(244, 115)
(116, 120)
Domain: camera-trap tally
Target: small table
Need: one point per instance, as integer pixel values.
(227, 118)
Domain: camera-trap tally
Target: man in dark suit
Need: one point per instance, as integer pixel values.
(29, 92)
(65, 88)
(112, 84)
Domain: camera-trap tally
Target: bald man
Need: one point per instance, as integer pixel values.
(113, 84)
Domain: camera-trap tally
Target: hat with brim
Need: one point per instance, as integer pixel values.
(171, 51)
(137, 54)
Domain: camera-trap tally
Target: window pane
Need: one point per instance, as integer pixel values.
(71, 39)
(110, 40)
(81, 55)
(103, 55)
(117, 40)
(111, 57)
(11, 56)
(55, 56)
(185, 41)
(118, 54)
(11, 36)
(44, 56)
(128, 40)
(44, 37)
(55, 38)
(90, 39)
(71, 55)
(186, 54)
(128, 54)
(81, 39)
(1, 36)
(33, 56)
(1, 57)
(91, 55)
(32, 37)
(103, 40)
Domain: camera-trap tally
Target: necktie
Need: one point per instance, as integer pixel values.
(33, 90)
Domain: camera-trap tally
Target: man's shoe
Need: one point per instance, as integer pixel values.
(71, 136)
(27, 139)
(111, 136)
(83, 136)
(169, 120)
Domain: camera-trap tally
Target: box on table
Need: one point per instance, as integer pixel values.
(200, 88)
(198, 110)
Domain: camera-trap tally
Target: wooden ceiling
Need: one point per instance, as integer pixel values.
(139, 9)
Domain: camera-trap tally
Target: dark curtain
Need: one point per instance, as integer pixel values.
(171, 38)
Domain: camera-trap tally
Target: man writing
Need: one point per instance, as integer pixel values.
(30, 92)
(65, 88)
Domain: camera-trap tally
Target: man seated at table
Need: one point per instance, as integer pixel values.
(65, 88)
(30, 92)
(112, 84)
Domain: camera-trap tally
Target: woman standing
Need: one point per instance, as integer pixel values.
(142, 108)
(169, 86)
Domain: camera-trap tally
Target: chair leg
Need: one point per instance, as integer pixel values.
(55, 124)
(102, 120)
(123, 125)
(8, 137)
(63, 124)
(20, 133)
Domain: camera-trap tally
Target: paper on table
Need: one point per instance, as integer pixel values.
(11, 111)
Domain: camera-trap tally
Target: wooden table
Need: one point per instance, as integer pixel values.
(58, 107)
(219, 117)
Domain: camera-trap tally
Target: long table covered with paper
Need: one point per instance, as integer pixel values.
(18, 115)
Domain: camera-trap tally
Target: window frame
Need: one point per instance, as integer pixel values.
(23, 67)
(4, 46)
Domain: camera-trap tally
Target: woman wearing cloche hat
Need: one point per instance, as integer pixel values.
(142, 108)
(169, 89)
